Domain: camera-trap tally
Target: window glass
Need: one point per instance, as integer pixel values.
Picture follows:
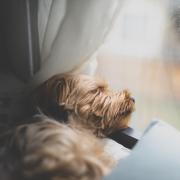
(142, 54)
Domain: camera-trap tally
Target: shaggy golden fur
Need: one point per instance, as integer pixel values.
(66, 150)
(49, 150)
(88, 100)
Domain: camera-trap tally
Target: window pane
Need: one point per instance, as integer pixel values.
(142, 54)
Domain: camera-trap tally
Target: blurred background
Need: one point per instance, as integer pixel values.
(136, 44)
(142, 54)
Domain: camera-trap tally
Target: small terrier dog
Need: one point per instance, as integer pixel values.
(88, 100)
(49, 150)
(69, 149)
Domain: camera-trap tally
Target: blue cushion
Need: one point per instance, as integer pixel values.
(156, 156)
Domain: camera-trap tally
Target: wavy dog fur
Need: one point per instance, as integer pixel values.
(88, 100)
(50, 150)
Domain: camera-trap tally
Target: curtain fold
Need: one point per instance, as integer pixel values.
(70, 32)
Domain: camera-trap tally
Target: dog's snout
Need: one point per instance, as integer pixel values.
(132, 99)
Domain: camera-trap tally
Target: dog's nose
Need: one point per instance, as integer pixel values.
(132, 99)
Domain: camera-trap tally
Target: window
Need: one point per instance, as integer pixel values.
(141, 54)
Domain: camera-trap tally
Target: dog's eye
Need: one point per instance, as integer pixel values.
(94, 91)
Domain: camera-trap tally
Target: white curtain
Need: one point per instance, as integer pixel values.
(70, 32)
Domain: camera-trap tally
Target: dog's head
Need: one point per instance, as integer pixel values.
(89, 100)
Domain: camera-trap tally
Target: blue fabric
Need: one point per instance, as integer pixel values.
(155, 157)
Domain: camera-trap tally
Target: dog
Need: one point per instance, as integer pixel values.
(66, 147)
(88, 100)
(49, 150)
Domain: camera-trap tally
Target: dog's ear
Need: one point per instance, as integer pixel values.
(59, 91)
